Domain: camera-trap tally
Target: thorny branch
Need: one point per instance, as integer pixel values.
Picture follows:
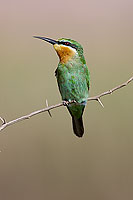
(48, 108)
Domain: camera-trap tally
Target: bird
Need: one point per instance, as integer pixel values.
(73, 78)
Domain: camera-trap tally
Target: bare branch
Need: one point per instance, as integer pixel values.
(111, 91)
(47, 109)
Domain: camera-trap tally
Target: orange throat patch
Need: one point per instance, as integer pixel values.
(65, 53)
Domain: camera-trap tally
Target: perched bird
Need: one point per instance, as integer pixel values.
(72, 77)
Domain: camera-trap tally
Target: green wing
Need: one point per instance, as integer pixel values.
(87, 76)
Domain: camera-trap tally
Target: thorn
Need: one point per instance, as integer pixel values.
(3, 120)
(110, 91)
(48, 110)
(100, 102)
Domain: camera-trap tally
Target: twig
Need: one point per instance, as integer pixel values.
(97, 98)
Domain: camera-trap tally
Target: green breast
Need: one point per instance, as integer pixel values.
(73, 79)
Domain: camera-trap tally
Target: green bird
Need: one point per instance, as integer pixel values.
(72, 77)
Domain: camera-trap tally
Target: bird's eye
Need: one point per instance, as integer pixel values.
(67, 43)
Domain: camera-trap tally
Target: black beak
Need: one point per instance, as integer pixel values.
(47, 39)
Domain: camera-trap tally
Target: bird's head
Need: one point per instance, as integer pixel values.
(65, 48)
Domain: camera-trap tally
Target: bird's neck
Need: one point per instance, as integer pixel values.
(65, 53)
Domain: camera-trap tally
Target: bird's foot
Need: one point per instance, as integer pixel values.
(66, 103)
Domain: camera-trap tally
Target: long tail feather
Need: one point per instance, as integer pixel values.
(78, 127)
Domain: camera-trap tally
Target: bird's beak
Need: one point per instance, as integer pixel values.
(47, 39)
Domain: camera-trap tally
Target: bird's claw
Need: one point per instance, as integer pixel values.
(66, 103)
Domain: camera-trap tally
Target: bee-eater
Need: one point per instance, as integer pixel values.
(72, 77)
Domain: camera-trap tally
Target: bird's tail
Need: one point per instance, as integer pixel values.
(78, 127)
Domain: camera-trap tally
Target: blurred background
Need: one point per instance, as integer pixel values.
(41, 158)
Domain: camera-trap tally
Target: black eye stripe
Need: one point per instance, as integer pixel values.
(67, 44)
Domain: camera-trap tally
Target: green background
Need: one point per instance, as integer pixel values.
(41, 158)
